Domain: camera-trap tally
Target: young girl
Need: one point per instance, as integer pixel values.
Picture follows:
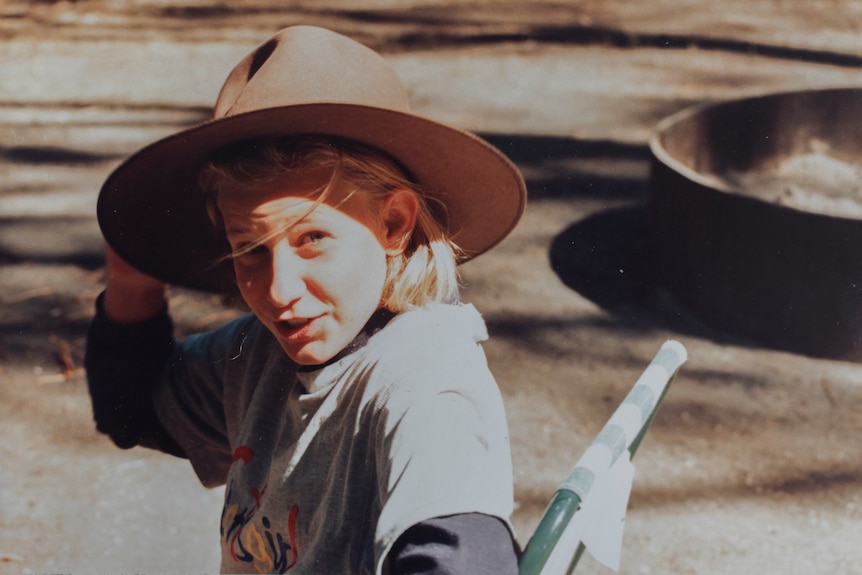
(351, 416)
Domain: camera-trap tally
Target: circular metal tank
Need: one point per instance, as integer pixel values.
(755, 218)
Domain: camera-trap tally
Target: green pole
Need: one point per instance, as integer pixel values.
(557, 516)
(566, 500)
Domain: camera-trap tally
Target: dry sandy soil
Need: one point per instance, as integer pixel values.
(754, 464)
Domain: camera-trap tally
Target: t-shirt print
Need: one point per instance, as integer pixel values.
(252, 537)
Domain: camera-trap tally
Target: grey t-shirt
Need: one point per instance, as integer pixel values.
(325, 469)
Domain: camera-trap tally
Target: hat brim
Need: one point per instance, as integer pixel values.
(152, 213)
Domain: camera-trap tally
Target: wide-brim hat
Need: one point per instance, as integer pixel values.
(303, 80)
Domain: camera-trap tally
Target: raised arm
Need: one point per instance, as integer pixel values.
(128, 345)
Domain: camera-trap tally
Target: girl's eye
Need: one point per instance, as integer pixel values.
(311, 238)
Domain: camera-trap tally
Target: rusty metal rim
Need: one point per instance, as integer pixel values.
(660, 154)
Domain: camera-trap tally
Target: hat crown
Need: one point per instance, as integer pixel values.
(305, 64)
(304, 80)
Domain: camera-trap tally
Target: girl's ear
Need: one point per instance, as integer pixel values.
(399, 219)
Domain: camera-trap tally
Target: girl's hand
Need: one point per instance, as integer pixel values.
(131, 295)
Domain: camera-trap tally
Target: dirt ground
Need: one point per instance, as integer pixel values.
(753, 464)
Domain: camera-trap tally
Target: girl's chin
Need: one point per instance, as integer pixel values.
(308, 355)
(313, 343)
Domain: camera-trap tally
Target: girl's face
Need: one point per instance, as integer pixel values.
(315, 283)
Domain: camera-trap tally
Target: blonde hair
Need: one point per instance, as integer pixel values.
(426, 271)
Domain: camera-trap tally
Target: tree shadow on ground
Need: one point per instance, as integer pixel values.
(51, 240)
(559, 167)
(45, 155)
(47, 331)
(50, 262)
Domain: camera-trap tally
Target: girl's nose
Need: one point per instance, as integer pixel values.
(288, 283)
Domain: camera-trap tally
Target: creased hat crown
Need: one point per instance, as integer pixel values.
(304, 64)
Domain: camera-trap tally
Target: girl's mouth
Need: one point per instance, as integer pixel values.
(297, 329)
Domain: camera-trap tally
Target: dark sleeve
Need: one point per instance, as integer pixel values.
(123, 362)
(469, 543)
